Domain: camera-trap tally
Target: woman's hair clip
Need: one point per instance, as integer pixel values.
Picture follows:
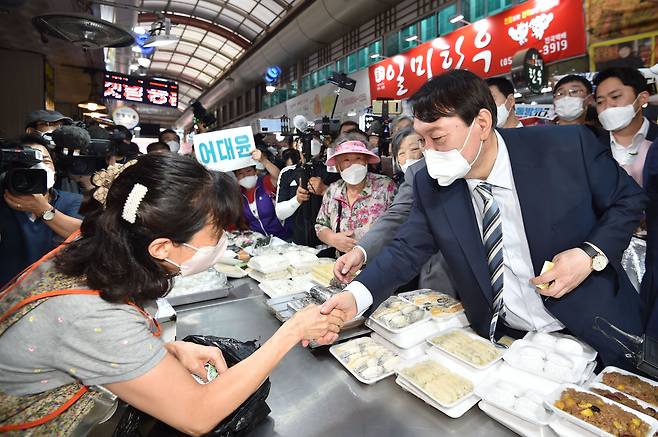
(103, 180)
(133, 200)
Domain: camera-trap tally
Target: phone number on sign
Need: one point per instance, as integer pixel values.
(555, 47)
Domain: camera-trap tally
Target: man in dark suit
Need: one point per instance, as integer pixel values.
(649, 289)
(500, 203)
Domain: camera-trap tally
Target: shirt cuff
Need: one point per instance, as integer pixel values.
(598, 250)
(365, 254)
(361, 295)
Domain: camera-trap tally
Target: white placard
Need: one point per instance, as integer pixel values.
(225, 150)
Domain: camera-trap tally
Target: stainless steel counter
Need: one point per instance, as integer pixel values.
(312, 394)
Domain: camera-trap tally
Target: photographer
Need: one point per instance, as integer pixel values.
(291, 194)
(123, 149)
(43, 121)
(33, 224)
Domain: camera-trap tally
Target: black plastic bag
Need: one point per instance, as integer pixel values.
(239, 423)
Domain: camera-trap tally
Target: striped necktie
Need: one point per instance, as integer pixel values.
(492, 237)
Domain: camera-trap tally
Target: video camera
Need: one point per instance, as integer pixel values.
(16, 174)
(77, 154)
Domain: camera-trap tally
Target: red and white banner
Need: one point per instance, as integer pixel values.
(554, 27)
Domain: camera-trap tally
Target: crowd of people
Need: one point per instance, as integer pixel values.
(473, 205)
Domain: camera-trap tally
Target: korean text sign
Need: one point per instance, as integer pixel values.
(225, 150)
(141, 90)
(556, 28)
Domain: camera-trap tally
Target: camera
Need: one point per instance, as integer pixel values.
(16, 174)
(78, 154)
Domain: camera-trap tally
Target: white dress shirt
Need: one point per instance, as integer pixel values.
(524, 307)
(625, 155)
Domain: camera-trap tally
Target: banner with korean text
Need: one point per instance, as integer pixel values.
(554, 27)
(225, 150)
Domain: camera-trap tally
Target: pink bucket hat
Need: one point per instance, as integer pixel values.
(352, 147)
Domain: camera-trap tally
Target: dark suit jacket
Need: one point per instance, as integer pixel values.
(649, 290)
(570, 190)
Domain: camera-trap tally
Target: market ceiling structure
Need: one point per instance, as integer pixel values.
(213, 35)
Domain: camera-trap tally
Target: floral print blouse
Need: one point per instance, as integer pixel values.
(372, 202)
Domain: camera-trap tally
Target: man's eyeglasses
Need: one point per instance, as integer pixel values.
(570, 92)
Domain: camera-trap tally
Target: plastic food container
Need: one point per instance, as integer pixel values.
(397, 315)
(376, 361)
(269, 263)
(551, 365)
(555, 396)
(516, 424)
(440, 305)
(640, 403)
(455, 412)
(437, 374)
(471, 342)
(406, 354)
(407, 339)
(612, 369)
(562, 343)
(515, 400)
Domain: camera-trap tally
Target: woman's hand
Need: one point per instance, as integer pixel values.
(309, 324)
(343, 241)
(258, 155)
(195, 356)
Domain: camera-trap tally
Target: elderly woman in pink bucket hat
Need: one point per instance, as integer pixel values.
(351, 205)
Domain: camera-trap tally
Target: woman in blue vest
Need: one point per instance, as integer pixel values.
(258, 197)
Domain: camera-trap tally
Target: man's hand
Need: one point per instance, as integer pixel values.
(348, 264)
(343, 241)
(36, 204)
(195, 356)
(342, 303)
(302, 195)
(571, 268)
(316, 186)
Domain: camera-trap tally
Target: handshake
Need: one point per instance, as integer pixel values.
(322, 324)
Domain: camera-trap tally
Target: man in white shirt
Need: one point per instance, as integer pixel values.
(500, 204)
(621, 93)
(502, 91)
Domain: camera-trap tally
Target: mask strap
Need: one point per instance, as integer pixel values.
(478, 155)
(467, 136)
(172, 263)
(190, 246)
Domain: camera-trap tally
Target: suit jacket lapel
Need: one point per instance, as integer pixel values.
(532, 190)
(458, 207)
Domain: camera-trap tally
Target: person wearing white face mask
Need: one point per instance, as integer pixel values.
(406, 149)
(44, 121)
(621, 93)
(33, 224)
(258, 194)
(170, 138)
(157, 217)
(502, 91)
(498, 204)
(350, 206)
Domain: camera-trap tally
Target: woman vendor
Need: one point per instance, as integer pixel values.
(162, 215)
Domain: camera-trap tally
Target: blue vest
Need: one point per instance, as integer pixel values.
(267, 222)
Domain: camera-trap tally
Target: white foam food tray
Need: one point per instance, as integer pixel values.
(485, 343)
(470, 399)
(406, 354)
(640, 402)
(425, 317)
(562, 343)
(284, 287)
(609, 369)
(516, 424)
(555, 396)
(260, 277)
(551, 365)
(407, 339)
(334, 350)
(455, 412)
(515, 400)
(230, 270)
(409, 295)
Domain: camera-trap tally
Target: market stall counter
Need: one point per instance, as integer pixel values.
(312, 394)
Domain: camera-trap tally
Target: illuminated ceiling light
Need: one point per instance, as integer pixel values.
(91, 106)
(133, 67)
(136, 49)
(375, 56)
(270, 88)
(518, 95)
(547, 89)
(411, 38)
(456, 19)
(139, 30)
(352, 113)
(162, 39)
(144, 62)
